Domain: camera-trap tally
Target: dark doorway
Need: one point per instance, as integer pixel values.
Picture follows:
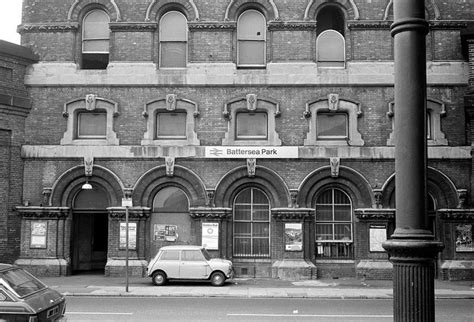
(90, 231)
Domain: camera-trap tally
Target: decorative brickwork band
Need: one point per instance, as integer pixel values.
(293, 214)
(134, 213)
(211, 213)
(43, 212)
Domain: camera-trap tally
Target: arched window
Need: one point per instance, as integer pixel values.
(170, 221)
(251, 36)
(330, 43)
(334, 225)
(173, 40)
(251, 224)
(95, 40)
(170, 199)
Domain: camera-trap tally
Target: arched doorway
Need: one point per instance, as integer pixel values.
(170, 220)
(90, 230)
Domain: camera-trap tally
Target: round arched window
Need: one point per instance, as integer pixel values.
(251, 224)
(334, 224)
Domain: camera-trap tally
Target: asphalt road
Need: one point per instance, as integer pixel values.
(244, 309)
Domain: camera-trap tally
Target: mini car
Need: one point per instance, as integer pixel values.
(23, 297)
(188, 262)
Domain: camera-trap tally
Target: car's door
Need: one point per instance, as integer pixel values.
(193, 265)
(169, 263)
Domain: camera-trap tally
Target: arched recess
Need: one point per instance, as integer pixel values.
(156, 8)
(236, 7)
(71, 181)
(79, 5)
(439, 186)
(155, 179)
(265, 179)
(349, 6)
(431, 10)
(349, 180)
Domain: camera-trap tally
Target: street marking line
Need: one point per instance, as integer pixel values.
(311, 315)
(98, 313)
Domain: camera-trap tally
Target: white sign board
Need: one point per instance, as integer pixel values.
(210, 235)
(132, 235)
(252, 152)
(378, 235)
(126, 202)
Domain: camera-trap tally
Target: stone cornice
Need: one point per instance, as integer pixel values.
(456, 214)
(133, 26)
(35, 212)
(292, 214)
(292, 25)
(134, 213)
(210, 213)
(51, 27)
(374, 214)
(212, 25)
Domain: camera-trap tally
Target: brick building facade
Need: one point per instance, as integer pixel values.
(263, 129)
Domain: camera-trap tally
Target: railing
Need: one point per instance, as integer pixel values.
(339, 250)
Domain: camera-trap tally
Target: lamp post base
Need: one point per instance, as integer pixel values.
(413, 278)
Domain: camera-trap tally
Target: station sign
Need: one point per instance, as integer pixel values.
(252, 152)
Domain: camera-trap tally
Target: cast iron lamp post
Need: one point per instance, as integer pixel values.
(412, 248)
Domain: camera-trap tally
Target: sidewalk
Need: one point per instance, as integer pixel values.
(97, 285)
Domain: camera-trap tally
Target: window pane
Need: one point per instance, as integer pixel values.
(96, 46)
(251, 26)
(260, 213)
(242, 229)
(242, 212)
(251, 125)
(261, 230)
(330, 46)
(259, 197)
(170, 199)
(261, 247)
(242, 246)
(342, 232)
(324, 232)
(173, 27)
(324, 212)
(331, 125)
(251, 52)
(171, 125)
(342, 213)
(173, 54)
(192, 255)
(92, 125)
(96, 25)
(170, 255)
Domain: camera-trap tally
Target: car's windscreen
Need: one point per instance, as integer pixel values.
(206, 254)
(21, 282)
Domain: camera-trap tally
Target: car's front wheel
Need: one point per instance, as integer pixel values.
(159, 278)
(217, 279)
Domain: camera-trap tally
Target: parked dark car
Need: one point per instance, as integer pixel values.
(23, 297)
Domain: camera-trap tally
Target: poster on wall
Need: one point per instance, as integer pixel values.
(293, 237)
(464, 238)
(165, 232)
(132, 235)
(377, 236)
(210, 235)
(38, 234)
